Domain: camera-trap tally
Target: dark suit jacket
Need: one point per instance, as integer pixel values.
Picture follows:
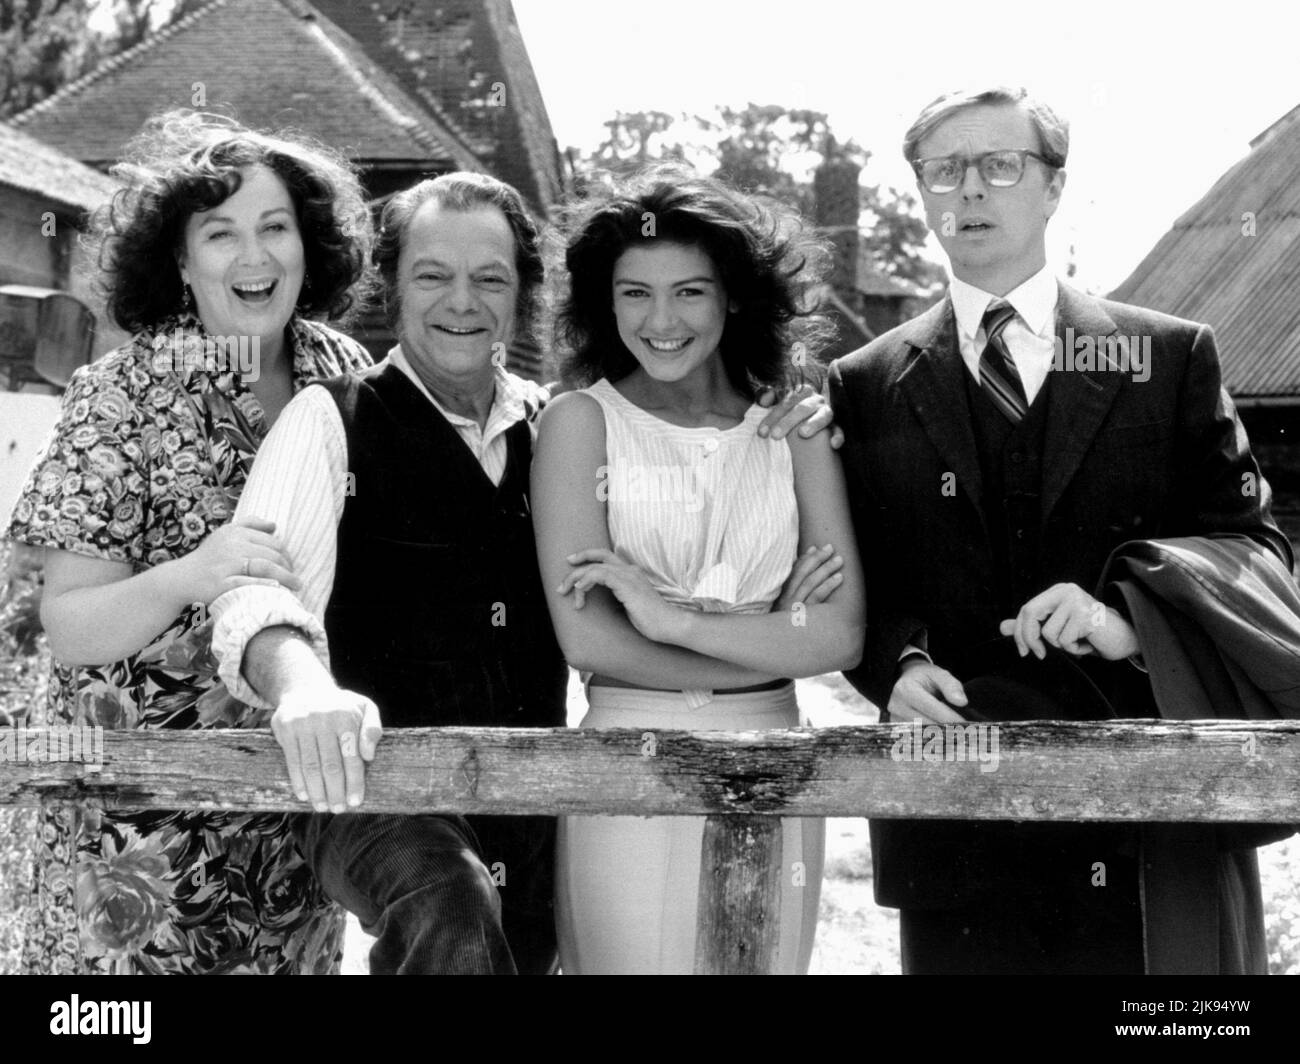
(1123, 459)
(1218, 618)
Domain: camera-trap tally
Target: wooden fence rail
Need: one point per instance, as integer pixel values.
(1204, 771)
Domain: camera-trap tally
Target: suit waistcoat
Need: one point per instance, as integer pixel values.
(437, 611)
(1011, 466)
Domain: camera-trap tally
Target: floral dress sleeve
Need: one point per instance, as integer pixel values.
(85, 493)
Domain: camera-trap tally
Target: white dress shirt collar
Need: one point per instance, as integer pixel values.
(513, 398)
(1034, 300)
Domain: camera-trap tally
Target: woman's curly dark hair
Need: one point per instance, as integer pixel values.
(186, 161)
(767, 261)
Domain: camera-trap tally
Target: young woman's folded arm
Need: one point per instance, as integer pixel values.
(806, 640)
(569, 517)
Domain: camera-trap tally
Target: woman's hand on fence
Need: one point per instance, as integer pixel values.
(815, 576)
(327, 734)
(243, 552)
(649, 613)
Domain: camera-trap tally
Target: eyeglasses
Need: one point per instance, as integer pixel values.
(1000, 169)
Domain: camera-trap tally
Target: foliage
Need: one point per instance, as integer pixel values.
(20, 604)
(22, 687)
(768, 149)
(134, 20)
(45, 44)
(1278, 868)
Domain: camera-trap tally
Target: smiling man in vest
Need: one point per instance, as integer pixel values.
(401, 495)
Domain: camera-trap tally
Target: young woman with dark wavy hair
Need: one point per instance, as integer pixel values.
(692, 565)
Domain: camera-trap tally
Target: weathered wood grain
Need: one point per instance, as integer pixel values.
(739, 923)
(1124, 771)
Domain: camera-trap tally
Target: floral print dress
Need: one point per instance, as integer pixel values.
(149, 457)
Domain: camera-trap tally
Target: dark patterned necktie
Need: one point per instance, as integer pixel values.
(998, 374)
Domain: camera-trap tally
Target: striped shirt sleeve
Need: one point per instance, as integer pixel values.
(299, 481)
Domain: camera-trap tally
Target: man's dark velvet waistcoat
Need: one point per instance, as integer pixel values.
(437, 611)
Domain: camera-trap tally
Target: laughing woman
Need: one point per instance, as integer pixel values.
(218, 254)
(667, 528)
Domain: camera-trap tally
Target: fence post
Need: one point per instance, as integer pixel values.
(738, 926)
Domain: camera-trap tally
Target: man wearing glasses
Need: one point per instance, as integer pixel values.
(991, 476)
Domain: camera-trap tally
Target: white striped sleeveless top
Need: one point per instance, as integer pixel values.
(709, 514)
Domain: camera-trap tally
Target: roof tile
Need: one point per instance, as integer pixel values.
(273, 63)
(28, 164)
(1212, 267)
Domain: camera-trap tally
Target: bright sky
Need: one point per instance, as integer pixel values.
(1161, 99)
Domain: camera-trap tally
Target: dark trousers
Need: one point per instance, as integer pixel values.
(992, 898)
(1033, 935)
(442, 895)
